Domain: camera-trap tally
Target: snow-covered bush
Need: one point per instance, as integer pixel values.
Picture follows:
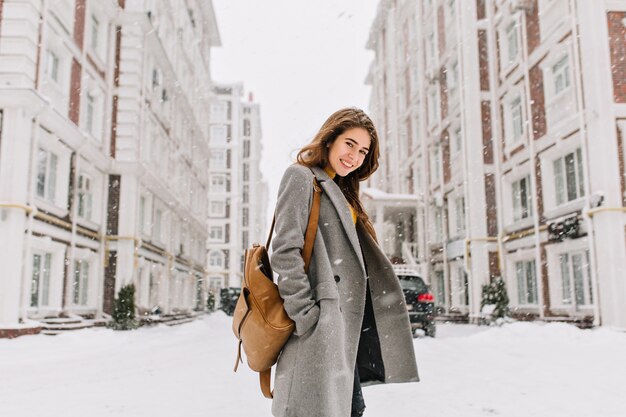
(494, 303)
(124, 309)
(210, 302)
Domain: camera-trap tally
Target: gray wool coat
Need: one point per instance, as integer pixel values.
(315, 371)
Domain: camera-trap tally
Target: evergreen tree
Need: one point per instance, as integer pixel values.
(210, 302)
(124, 309)
(495, 294)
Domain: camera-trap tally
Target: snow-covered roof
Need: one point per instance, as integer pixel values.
(376, 194)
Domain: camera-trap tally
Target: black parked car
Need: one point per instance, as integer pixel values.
(228, 299)
(419, 300)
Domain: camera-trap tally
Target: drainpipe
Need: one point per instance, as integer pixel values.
(464, 152)
(495, 133)
(582, 125)
(533, 172)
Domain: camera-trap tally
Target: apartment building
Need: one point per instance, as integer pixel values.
(506, 120)
(103, 155)
(237, 200)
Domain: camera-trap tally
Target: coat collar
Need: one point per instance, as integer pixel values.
(331, 189)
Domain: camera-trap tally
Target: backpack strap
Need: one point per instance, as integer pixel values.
(311, 227)
(265, 377)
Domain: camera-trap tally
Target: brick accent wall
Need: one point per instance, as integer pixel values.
(483, 60)
(443, 92)
(532, 27)
(485, 113)
(79, 23)
(494, 265)
(622, 167)
(13, 333)
(441, 30)
(1, 7)
(116, 83)
(481, 11)
(113, 209)
(539, 195)
(617, 45)
(490, 201)
(538, 100)
(109, 283)
(445, 148)
(75, 80)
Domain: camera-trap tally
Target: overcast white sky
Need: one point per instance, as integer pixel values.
(302, 60)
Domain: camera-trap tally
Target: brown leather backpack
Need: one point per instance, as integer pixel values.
(260, 321)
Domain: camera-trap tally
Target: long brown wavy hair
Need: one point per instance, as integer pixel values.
(316, 154)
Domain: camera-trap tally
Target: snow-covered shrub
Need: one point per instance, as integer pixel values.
(124, 309)
(494, 303)
(210, 302)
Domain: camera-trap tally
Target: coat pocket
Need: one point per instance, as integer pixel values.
(326, 291)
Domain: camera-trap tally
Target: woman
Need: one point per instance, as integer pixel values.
(350, 315)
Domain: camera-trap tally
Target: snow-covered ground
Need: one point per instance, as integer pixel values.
(520, 369)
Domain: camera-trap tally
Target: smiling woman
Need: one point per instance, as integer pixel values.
(349, 295)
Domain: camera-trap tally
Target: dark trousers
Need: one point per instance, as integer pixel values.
(358, 403)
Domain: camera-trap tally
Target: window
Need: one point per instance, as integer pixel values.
(218, 159)
(436, 165)
(142, 214)
(457, 141)
(576, 286)
(438, 225)
(522, 199)
(40, 280)
(453, 79)
(246, 127)
(154, 290)
(85, 197)
(95, 28)
(517, 124)
(512, 42)
(433, 107)
(245, 238)
(158, 218)
(218, 135)
(216, 259)
(560, 75)
(218, 183)
(568, 177)
(90, 113)
(80, 284)
(219, 110)
(217, 208)
(216, 233)
(462, 287)
(246, 172)
(245, 216)
(526, 282)
(246, 194)
(246, 148)
(459, 210)
(440, 289)
(46, 175)
(52, 68)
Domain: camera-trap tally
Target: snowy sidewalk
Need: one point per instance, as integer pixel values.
(521, 369)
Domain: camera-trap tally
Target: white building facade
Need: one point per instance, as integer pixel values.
(103, 157)
(237, 201)
(506, 119)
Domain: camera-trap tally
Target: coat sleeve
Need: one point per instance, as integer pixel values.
(292, 215)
